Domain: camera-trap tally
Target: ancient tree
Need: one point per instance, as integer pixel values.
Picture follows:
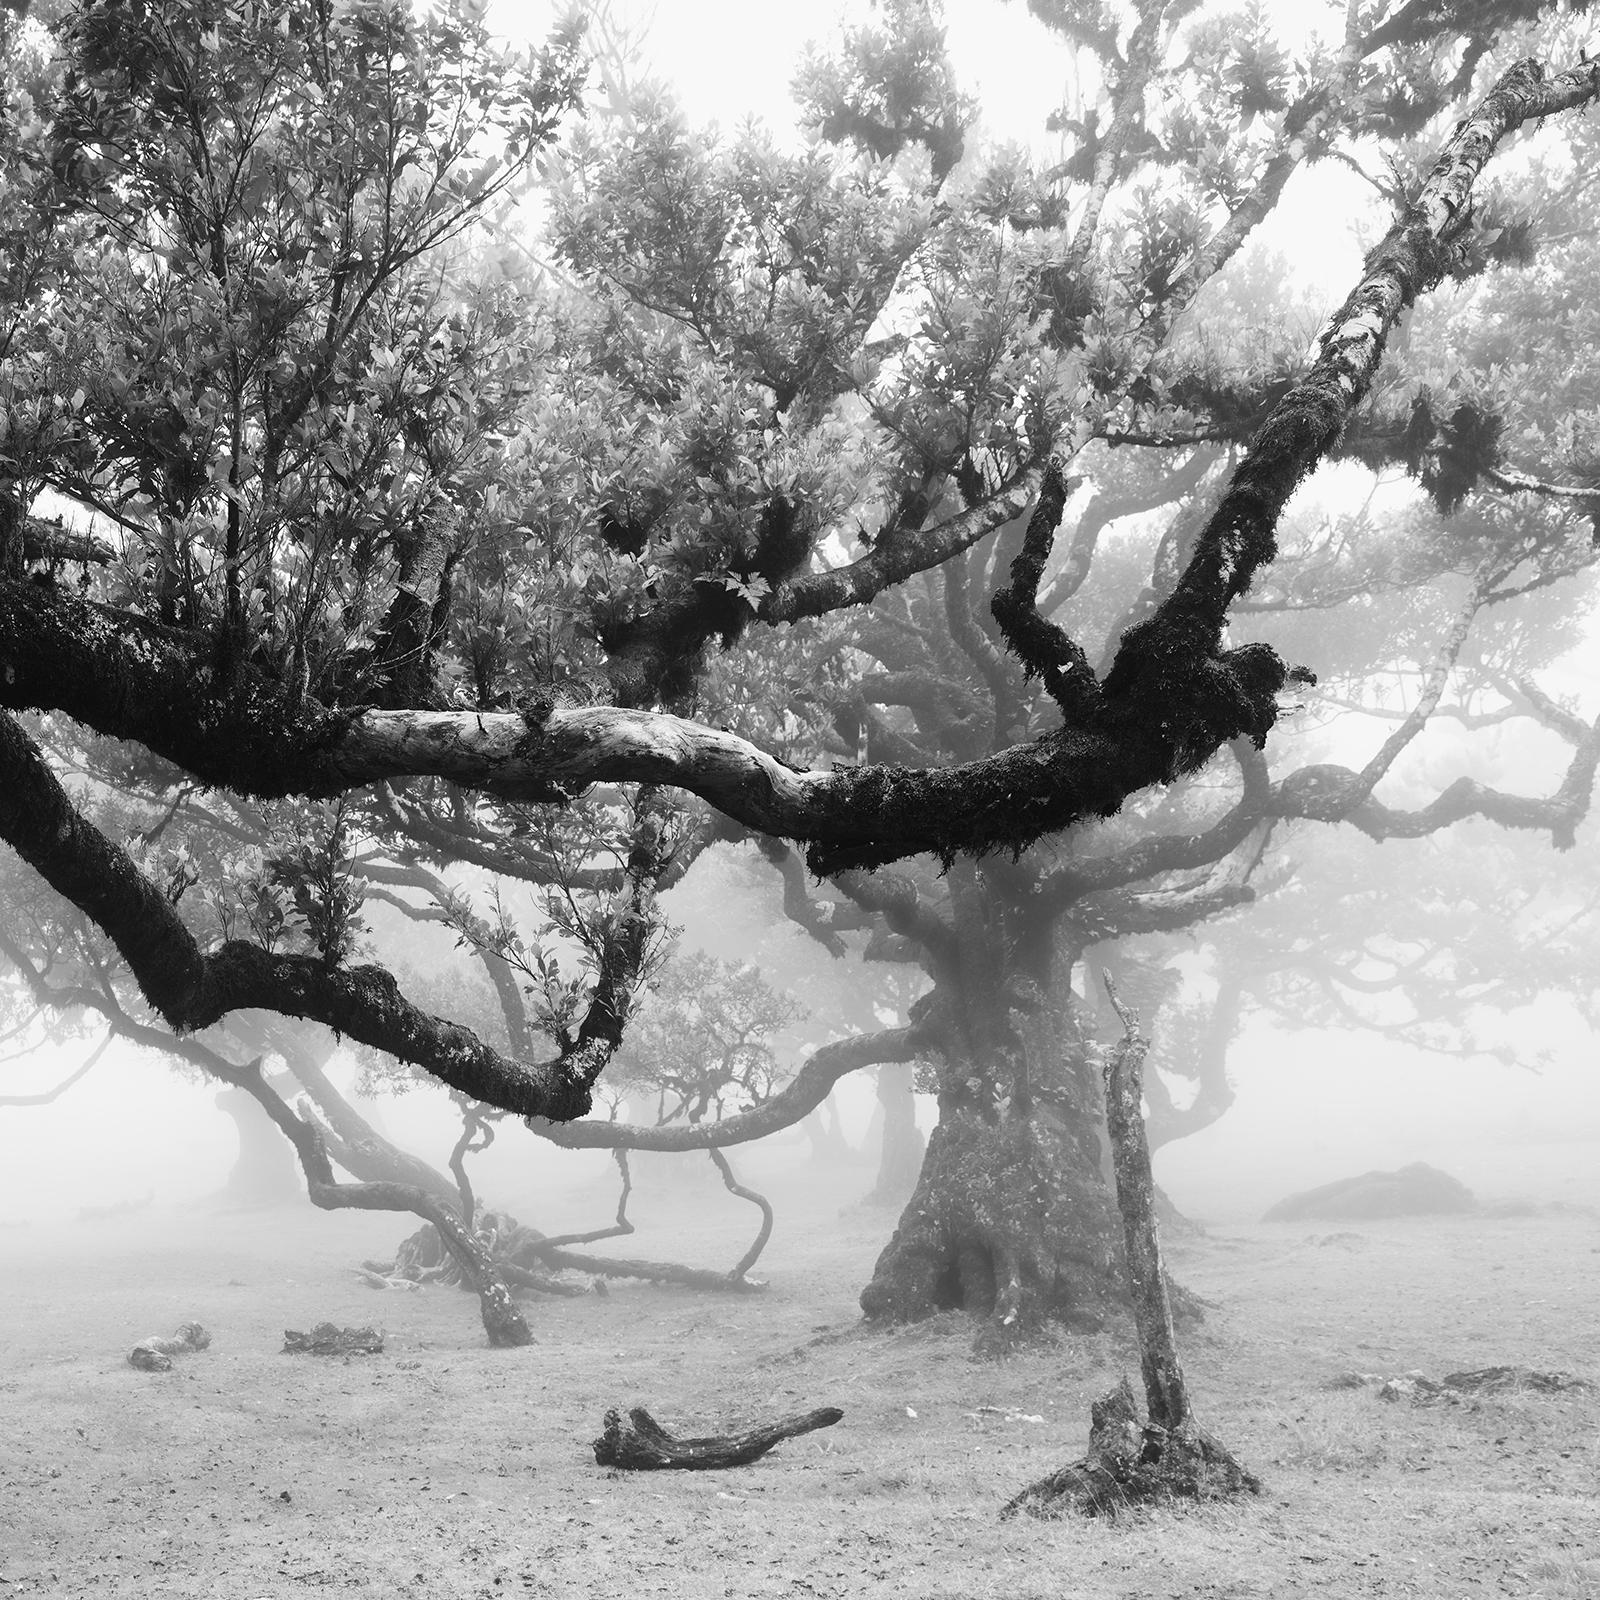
(785, 501)
(953, 665)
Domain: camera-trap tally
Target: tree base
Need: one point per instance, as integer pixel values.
(1012, 1222)
(642, 1444)
(1135, 1464)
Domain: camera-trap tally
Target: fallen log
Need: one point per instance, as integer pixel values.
(327, 1340)
(155, 1353)
(642, 1444)
(1456, 1386)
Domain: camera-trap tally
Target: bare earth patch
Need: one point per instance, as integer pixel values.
(442, 1468)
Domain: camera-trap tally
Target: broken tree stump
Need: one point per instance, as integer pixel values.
(1168, 1455)
(327, 1340)
(1133, 1463)
(642, 1444)
(155, 1353)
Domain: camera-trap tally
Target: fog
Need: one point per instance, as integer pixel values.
(1308, 1110)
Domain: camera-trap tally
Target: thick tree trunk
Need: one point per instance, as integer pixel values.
(1011, 1221)
(902, 1146)
(265, 1172)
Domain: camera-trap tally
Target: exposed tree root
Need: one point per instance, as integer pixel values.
(642, 1444)
(653, 1271)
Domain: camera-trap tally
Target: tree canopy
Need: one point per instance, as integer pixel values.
(744, 515)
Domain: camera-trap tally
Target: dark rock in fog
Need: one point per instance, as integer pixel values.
(1412, 1191)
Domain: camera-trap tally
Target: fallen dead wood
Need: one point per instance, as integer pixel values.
(1132, 1462)
(155, 1353)
(642, 1444)
(651, 1271)
(1457, 1386)
(325, 1339)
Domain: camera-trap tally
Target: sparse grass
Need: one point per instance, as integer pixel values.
(446, 1470)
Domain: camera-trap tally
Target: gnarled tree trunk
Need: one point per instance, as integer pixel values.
(1011, 1218)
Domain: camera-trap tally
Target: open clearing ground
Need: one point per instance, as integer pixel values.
(443, 1469)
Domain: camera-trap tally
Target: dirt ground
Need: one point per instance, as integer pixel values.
(442, 1468)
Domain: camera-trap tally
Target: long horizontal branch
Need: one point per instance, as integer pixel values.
(809, 1087)
(1329, 793)
(124, 676)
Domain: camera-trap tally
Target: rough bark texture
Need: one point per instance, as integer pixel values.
(642, 1444)
(1165, 1392)
(1010, 1220)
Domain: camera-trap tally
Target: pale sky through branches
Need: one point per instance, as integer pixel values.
(728, 61)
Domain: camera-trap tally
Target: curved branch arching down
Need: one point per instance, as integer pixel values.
(502, 1321)
(192, 988)
(809, 1087)
(48, 1096)
(733, 1186)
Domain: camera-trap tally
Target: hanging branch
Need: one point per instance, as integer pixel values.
(476, 1134)
(749, 1258)
(621, 1227)
(192, 987)
(44, 1098)
(502, 1321)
